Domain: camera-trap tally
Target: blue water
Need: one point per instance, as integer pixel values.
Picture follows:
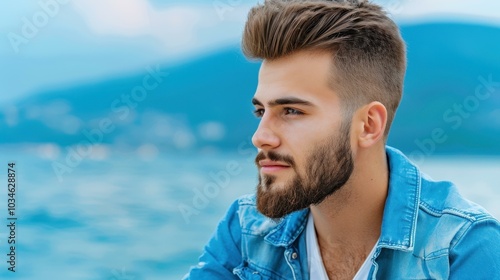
(119, 218)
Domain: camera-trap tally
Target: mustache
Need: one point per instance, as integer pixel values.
(274, 157)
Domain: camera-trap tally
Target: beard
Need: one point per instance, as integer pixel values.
(328, 167)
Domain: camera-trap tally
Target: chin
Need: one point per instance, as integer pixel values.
(275, 185)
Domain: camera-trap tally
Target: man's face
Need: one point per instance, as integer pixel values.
(304, 146)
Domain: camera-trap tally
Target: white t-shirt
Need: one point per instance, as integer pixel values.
(316, 268)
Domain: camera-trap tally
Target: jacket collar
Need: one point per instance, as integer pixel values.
(400, 212)
(401, 207)
(288, 229)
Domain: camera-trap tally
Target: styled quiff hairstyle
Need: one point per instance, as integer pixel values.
(369, 57)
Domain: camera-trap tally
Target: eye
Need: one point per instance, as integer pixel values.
(291, 111)
(258, 113)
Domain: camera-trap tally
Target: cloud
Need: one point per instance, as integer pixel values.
(180, 28)
(115, 17)
(183, 28)
(177, 27)
(102, 38)
(413, 11)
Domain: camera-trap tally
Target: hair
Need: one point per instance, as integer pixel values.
(368, 53)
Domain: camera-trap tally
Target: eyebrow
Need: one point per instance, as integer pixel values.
(283, 101)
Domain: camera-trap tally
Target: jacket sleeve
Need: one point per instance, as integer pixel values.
(476, 254)
(223, 252)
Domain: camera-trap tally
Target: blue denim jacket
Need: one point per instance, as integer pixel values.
(428, 231)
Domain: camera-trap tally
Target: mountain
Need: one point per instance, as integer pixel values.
(451, 102)
(445, 90)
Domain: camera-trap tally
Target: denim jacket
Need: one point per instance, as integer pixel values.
(428, 231)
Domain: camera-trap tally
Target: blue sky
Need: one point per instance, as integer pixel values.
(76, 41)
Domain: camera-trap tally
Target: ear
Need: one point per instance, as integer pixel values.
(373, 118)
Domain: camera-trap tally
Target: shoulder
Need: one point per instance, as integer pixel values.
(442, 198)
(443, 210)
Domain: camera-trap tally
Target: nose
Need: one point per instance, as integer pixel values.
(264, 137)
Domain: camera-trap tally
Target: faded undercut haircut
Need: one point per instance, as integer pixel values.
(369, 55)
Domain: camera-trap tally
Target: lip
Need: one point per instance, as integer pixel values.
(267, 166)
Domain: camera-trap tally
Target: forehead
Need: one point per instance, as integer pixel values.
(306, 75)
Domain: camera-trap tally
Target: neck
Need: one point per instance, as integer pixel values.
(352, 217)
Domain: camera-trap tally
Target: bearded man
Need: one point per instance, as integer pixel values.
(333, 201)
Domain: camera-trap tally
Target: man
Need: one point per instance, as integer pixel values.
(333, 202)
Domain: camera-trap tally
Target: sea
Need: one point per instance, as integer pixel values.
(127, 217)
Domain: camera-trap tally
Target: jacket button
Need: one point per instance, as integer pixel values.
(294, 255)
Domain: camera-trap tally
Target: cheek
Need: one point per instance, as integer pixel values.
(301, 137)
(301, 150)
